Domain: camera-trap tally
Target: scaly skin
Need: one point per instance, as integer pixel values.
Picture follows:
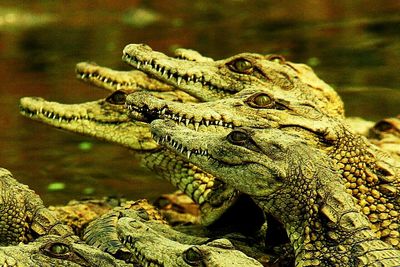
(54, 250)
(102, 232)
(292, 181)
(211, 80)
(23, 217)
(113, 80)
(369, 174)
(136, 233)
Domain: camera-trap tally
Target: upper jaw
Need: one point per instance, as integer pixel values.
(143, 106)
(202, 79)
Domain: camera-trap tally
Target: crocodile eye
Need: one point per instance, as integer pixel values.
(260, 100)
(276, 58)
(117, 98)
(238, 137)
(241, 65)
(193, 256)
(57, 250)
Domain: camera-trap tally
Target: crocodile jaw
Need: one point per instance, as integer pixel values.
(113, 80)
(91, 119)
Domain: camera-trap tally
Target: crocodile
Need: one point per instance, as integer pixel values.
(294, 182)
(137, 233)
(52, 250)
(23, 214)
(369, 174)
(211, 80)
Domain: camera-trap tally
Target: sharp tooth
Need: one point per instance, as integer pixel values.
(163, 111)
(188, 154)
(180, 119)
(178, 80)
(59, 119)
(105, 80)
(187, 121)
(221, 123)
(164, 72)
(83, 76)
(189, 78)
(170, 75)
(138, 65)
(196, 125)
(207, 123)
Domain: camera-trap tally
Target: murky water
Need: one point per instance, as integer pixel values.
(353, 45)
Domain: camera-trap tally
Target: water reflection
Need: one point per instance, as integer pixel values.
(351, 45)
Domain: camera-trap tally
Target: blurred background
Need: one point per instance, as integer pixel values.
(352, 45)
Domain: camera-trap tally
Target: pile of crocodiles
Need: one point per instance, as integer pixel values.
(271, 170)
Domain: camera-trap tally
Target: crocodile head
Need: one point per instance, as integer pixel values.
(104, 119)
(210, 80)
(157, 244)
(294, 182)
(54, 250)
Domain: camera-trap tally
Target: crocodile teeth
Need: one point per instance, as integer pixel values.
(179, 79)
(188, 154)
(196, 126)
(180, 119)
(138, 65)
